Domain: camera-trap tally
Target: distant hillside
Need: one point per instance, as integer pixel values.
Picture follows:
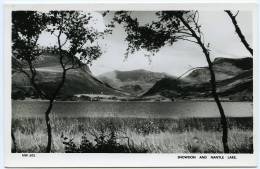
(49, 74)
(224, 68)
(134, 82)
(235, 81)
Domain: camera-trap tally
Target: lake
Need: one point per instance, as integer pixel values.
(132, 109)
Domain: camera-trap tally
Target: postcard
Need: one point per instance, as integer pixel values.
(130, 85)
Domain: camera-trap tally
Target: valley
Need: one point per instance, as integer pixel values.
(234, 83)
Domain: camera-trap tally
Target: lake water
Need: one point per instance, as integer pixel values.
(132, 109)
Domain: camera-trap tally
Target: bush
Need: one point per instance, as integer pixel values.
(104, 144)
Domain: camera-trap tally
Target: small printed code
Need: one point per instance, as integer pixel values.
(28, 155)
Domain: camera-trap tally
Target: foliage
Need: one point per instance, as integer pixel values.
(172, 26)
(104, 144)
(26, 29)
(76, 39)
(166, 30)
(76, 42)
(75, 47)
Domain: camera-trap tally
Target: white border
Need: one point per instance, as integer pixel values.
(119, 160)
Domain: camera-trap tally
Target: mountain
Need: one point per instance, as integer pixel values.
(78, 81)
(234, 81)
(224, 68)
(134, 82)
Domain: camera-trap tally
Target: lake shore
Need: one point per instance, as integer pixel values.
(146, 135)
(130, 100)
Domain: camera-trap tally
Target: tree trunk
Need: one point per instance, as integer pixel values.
(42, 93)
(14, 149)
(48, 124)
(213, 85)
(239, 32)
(220, 108)
(47, 113)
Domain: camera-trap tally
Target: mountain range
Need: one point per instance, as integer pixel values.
(234, 81)
(134, 82)
(49, 74)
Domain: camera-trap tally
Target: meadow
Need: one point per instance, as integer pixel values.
(144, 135)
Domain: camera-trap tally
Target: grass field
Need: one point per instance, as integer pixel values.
(190, 135)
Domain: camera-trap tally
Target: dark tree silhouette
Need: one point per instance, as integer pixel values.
(238, 30)
(14, 145)
(76, 47)
(170, 27)
(26, 28)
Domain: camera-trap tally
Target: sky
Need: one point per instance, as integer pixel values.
(176, 59)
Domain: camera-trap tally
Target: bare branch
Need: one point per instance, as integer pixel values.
(238, 31)
(64, 42)
(236, 14)
(188, 40)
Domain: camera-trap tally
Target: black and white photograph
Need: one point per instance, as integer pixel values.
(131, 85)
(174, 81)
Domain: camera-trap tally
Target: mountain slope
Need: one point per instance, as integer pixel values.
(234, 82)
(224, 68)
(134, 82)
(49, 74)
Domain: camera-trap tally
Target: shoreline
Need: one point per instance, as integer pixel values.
(134, 101)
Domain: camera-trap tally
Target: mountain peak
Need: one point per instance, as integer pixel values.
(48, 71)
(131, 80)
(224, 68)
(234, 76)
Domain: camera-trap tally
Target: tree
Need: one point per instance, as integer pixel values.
(76, 46)
(238, 30)
(170, 27)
